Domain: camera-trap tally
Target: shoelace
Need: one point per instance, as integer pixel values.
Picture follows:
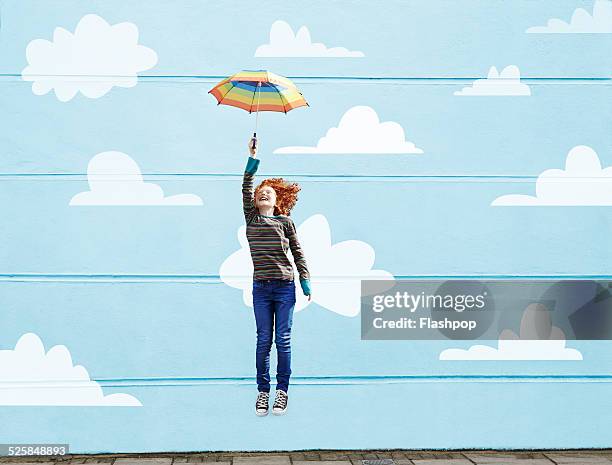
(281, 400)
(262, 400)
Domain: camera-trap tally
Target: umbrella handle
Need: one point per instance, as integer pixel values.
(254, 141)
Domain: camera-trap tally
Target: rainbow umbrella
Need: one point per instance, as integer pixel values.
(256, 91)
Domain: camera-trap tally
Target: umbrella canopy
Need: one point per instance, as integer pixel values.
(256, 91)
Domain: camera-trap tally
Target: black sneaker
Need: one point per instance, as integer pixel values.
(280, 402)
(261, 405)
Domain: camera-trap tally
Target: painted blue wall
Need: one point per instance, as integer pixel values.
(136, 295)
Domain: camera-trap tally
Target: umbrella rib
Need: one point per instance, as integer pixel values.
(281, 97)
(227, 93)
(253, 98)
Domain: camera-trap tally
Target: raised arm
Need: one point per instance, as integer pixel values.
(248, 203)
(298, 257)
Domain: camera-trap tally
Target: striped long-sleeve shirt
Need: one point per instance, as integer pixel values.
(270, 238)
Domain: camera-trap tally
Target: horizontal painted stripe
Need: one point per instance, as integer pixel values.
(316, 381)
(216, 78)
(318, 178)
(215, 279)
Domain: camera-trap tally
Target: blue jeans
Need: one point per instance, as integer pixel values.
(273, 303)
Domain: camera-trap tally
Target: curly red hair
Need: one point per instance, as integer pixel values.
(286, 194)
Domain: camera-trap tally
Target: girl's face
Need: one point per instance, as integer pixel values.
(266, 197)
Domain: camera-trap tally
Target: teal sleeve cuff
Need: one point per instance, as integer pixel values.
(252, 165)
(305, 283)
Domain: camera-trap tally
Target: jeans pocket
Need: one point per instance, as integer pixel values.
(290, 291)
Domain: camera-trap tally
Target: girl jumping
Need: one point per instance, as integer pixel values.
(271, 233)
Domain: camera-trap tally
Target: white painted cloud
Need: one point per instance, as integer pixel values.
(359, 131)
(538, 340)
(506, 83)
(115, 179)
(600, 21)
(92, 60)
(285, 43)
(515, 350)
(336, 270)
(31, 376)
(582, 183)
